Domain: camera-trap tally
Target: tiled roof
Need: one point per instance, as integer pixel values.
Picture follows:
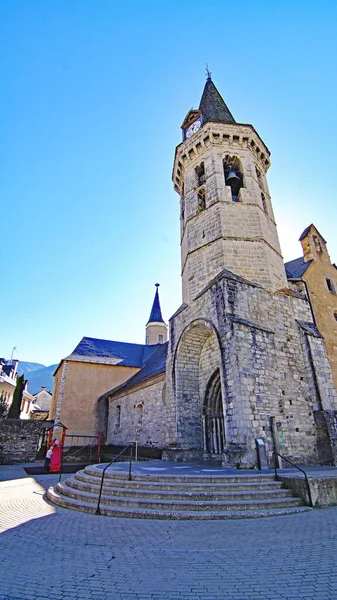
(125, 354)
(306, 231)
(296, 268)
(156, 315)
(213, 106)
(8, 369)
(155, 365)
(309, 328)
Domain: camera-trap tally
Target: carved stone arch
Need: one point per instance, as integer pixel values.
(197, 356)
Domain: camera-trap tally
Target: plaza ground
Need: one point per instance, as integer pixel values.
(53, 553)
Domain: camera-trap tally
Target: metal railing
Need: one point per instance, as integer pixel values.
(296, 467)
(131, 446)
(78, 437)
(64, 458)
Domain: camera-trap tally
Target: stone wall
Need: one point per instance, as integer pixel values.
(139, 415)
(275, 378)
(18, 440)
(272, 362)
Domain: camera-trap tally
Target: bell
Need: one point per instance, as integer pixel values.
(232, 178)
(234, 181)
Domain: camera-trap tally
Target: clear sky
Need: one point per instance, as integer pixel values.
(93, 96)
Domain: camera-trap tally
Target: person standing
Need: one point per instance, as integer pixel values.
(48, 458)
(55, 463)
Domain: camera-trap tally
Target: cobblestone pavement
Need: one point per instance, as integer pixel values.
(58, 554)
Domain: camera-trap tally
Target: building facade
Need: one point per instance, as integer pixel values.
(96, 366)
(245, 359)
(315, 270)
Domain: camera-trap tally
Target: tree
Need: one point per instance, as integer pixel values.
(15, 409)
(3, 407)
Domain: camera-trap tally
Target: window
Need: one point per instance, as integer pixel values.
(259, 178)
(330, 285)
(147, 340)
(182, 208)
(118, 416)
(201, 199)
(317, 243)
(160, 339)
(200, 173)
(139, 409)
(264, 203)
(233, 176)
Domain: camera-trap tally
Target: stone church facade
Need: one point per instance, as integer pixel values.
(245, 359)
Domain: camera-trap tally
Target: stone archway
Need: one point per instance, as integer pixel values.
(197, 358)
(213, 418)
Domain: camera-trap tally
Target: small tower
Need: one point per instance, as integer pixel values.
(227, 220)
(156, 328)
(313, 245)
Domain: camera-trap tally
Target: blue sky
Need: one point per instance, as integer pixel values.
(93, 96)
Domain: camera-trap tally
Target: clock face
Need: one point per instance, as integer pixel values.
(193, 128)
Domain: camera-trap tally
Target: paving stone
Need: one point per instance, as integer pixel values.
(79, 556)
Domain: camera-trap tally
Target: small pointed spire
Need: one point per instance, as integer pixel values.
(156, 315)
(212, 104)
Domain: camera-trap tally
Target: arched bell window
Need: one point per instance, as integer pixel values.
(233, 176)
(201, 198)
(317, 243)
(259, 178)
(200, 173)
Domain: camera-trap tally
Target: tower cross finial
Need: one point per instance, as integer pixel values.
(208, 73)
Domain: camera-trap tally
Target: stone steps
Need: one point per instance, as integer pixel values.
(181, 485)
(96, 471)
(179, 504)
(158, 496)
(116, 511)
(209, 494)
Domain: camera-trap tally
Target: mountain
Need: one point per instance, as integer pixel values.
(28, 367)
(38, 375)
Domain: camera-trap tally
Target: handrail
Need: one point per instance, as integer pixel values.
(71, 454)
(296, 467)
(78, 450)
(98, 510)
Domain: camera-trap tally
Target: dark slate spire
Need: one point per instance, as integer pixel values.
(212, 104)
(155, 315)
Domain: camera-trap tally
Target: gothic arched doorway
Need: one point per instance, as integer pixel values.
(213, 418)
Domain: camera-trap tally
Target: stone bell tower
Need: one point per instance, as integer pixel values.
(227, 219)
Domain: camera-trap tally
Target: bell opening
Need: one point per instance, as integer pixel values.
(233, 177)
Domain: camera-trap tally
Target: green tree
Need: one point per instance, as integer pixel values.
(15, 409)
(3, 407)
